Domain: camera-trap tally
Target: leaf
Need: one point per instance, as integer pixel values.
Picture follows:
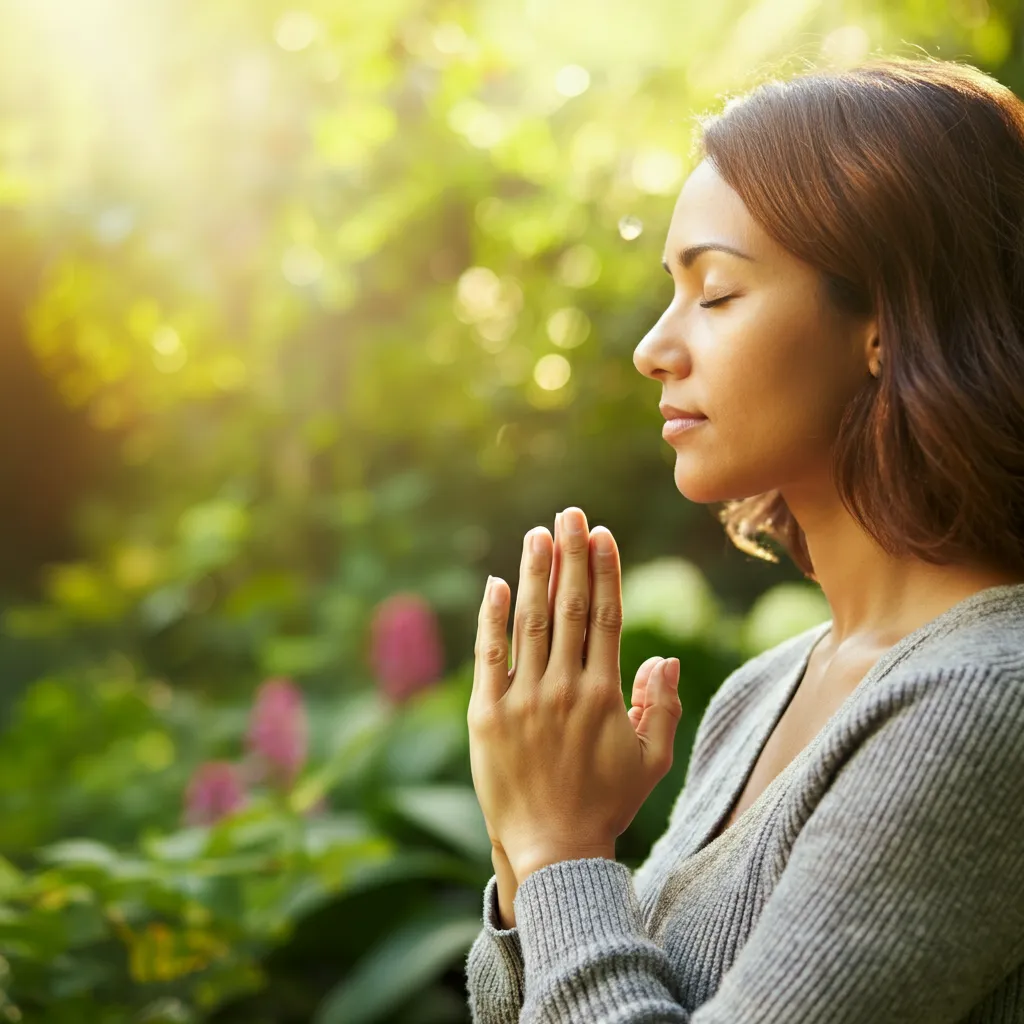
(405, 961)
(79, 851)
(450, 812)
(11, 879)
(408, 864)
(184, 845)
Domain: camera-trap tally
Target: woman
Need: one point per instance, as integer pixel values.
(848, 325)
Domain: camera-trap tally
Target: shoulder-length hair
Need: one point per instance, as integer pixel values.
(902, 182)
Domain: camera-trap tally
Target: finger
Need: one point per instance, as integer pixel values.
(572, 597)
(641, 682)
(532, 625)
(552, 581)
(490, 666)
(656, 729)
(604, 625)
(514, 653)
(556, 559)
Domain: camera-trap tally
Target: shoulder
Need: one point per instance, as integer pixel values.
(993, 643)
(956, 698)
(976, 660)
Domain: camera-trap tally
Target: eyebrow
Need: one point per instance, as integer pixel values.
(691, 252)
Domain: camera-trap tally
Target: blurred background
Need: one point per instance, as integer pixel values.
(307, 314)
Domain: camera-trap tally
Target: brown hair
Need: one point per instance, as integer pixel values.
(902, 182)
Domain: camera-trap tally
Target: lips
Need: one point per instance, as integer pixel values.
(673, 412)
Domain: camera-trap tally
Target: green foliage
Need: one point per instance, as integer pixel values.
(107, 901)
(351, 290)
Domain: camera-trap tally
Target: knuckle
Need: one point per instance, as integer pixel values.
(559, 693)
(492, 653)
(607, 617)
(573, 607)
(609, 695)
(478, 719)
(574, 543)
(533, 624)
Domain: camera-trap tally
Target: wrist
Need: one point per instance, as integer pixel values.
(526, 864)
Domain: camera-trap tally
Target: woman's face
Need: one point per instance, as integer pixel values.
(771, 366)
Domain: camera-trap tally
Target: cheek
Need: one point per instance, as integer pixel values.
(764, 371)
(768, 389)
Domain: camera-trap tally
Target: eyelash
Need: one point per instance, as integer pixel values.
(713, 302)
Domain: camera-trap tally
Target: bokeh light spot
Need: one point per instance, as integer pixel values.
(552, 372)
(302, 264)
(295, 30)
(572, 80)
(166, 341)
(568, 327)
(579, 267)
(449, 37)
(657, 171)
(630, 228)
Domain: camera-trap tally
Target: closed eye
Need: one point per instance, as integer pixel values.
(707, 304)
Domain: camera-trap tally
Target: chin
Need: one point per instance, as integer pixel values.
(692, 487)
(698, 487)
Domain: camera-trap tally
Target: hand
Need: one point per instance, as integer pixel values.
(559, 767)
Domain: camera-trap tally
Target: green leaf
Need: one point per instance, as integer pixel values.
(79, 851)
(11, 878)
(184, 845)
(405, 961)
(450, 812)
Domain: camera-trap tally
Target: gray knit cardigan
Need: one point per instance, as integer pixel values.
(878, 879)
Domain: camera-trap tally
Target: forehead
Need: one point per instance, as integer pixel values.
(710, 210)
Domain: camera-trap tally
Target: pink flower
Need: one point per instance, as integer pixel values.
(405, 647)
(278, 731)
(213, 792)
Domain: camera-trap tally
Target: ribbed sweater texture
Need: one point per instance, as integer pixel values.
(879, 879)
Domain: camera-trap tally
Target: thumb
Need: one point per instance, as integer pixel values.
(657, 726)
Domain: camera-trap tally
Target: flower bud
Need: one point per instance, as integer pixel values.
(405, 648)
(278, 731)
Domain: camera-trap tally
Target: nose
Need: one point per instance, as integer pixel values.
(661, 351)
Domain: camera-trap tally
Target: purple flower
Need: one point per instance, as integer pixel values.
(405, 647)
(213, 792)
(278, 731)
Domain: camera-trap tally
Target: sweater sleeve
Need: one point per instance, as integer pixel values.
(902, 897)
(494, 967)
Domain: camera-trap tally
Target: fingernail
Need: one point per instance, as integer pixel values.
(573, 521)
(672, 672)
(537, 543)
(493, 592)
(603, 541)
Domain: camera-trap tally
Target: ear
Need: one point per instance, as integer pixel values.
(873, 348)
